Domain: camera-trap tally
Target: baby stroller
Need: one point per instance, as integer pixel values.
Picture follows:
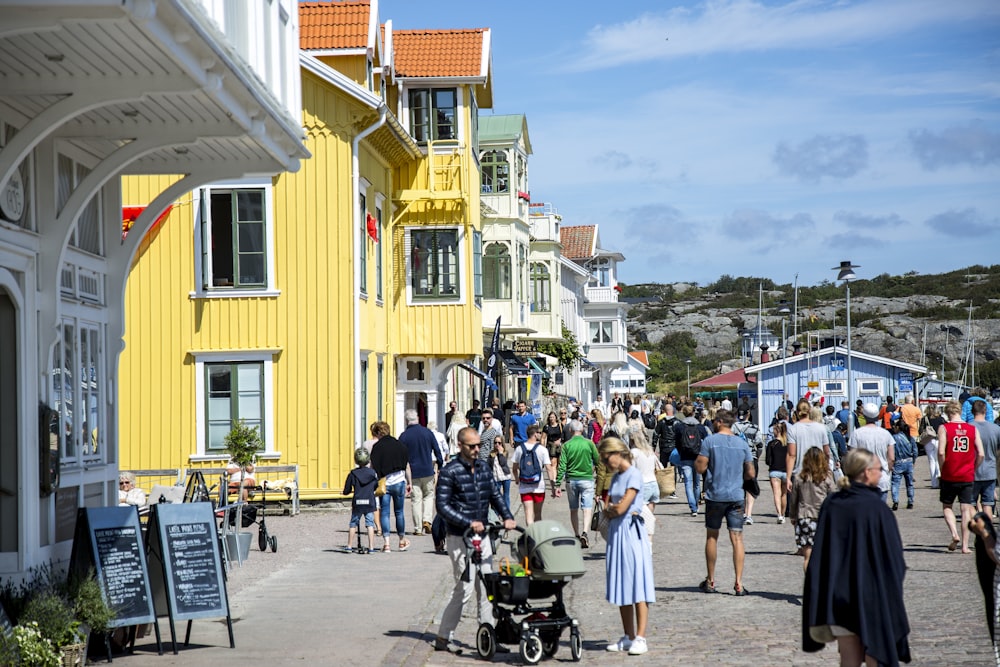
(547, 557)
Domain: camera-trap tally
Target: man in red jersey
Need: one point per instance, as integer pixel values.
(960, 450)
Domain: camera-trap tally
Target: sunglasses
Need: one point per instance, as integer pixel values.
(474, 445)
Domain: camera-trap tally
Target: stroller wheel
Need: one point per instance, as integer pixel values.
(262, 538)
(550, 646)
(531, 648)
(575, 645)
(486, 641)
(274, 543)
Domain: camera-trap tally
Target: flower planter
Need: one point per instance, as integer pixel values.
(73, 655)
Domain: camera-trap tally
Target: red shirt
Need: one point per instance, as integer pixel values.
(959, 452)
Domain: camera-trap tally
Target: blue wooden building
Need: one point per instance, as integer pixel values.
(823, 373)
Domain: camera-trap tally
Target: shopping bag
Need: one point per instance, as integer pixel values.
(665, 480)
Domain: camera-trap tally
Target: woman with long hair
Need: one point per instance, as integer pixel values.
(929, 425)
(857, 541)
(645, 459)
(552, 438)
(809, 490)
(629, 559)
(458, 422)
(598, 422)
(774, 457)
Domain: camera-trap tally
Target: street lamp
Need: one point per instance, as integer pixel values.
(689, 379)
(783, 311)
(846, 273)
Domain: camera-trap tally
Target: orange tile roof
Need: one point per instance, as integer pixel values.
(439, 52)
(334, 25)
(578, 242)
(641, 357)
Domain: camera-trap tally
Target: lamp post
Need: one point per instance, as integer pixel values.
(846, 273)
(689, 379)
(783, 311)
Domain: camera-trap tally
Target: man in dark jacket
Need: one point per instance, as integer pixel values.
(465, 493)
(423, 453)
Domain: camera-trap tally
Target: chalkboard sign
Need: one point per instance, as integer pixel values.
(186, 564)
(109, 539)
(6, 628)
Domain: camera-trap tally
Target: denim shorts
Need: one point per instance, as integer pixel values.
(650, 492)
(778, 474)
(985, 489)
(580, 493)
(733, 511)
(356, 520)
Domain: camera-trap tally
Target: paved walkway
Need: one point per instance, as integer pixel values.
(327, 608)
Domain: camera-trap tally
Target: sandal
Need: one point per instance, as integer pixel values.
(706, 586)
(404, 544)
(953, 545)
(740, 591)
(386, 549)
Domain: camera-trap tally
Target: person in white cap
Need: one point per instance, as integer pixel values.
(879, 442)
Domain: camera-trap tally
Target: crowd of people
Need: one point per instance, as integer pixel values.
(835, 475)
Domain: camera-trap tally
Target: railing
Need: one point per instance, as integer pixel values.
(600, 294)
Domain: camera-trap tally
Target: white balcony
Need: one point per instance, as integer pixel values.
(593, 294)
(606, 353)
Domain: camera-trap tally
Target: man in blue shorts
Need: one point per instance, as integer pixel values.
(727, 460)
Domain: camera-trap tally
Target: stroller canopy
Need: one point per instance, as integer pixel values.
(552, 550)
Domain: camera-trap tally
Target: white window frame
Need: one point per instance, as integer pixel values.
(464, 285)
(268, 290)
(598, 323)
(460, 104)
(379, 250)
(833, 387)
(201, 418)
(75, 317)
(874, 387)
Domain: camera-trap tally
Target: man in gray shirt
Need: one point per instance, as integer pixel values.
(492, 430)
(985, 484)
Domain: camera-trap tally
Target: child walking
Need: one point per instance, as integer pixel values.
(809, 490)
(361, 482)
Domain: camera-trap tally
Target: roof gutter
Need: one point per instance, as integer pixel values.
(358, 240)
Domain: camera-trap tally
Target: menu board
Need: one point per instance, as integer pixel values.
(109, 540)
(186, 564)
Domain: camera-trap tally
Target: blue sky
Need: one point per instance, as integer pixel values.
(755, 137)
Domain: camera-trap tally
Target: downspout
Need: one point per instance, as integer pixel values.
(359, 428)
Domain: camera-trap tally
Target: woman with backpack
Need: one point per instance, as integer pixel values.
(528, 464)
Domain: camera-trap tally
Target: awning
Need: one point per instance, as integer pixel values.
(730, 379)
(538, 368)
(514, 363)
(482, 375)
(587, 363)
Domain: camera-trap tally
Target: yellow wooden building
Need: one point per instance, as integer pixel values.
(315, 303)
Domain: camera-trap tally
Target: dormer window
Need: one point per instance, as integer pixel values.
(433, 114)
(496, 172)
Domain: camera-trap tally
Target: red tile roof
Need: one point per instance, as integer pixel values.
(334, 25)
(729, 379)
(439, 52)
(578, 242)
(641, 357)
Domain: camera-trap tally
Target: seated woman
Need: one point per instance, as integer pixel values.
(128, 494)
(234, 475)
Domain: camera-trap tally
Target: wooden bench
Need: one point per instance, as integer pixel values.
(291, 492)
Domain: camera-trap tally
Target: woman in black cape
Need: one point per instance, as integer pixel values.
(854, 583)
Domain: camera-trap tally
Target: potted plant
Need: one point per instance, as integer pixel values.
(242, 444)
(53, 615)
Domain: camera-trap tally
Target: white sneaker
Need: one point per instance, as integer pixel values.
(623, 645)
(638, 646)
(781, 519)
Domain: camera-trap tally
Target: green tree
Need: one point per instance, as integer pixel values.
(566, 352)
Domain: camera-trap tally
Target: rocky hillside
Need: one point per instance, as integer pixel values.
(911, 328)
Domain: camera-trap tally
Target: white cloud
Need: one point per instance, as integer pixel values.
(736, 26)
(974, 144)
(857, 220)
(963, 223)
(824, 155)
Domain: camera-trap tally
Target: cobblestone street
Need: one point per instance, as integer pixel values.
(309, 604)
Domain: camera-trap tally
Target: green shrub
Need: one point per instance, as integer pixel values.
(54, 616)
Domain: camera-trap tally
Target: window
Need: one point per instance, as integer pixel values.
(434, 263)
(477, 267)
(233, 391)
(432, 114)
(363, 239)
(601, 332)
(78, 382)
(496, 172)
(364, 393)
(381, 386)
(378, 247)
(869, 387)
(541, 288)
(496, 272)
(86, 234)
(235, 241)
(602, 273)
(522, 273)
(835, 387)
